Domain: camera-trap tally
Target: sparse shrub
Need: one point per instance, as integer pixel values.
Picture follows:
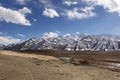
(84, 62)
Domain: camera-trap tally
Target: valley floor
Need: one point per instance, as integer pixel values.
(19, 66)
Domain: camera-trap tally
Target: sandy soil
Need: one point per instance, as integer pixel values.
(19, 66)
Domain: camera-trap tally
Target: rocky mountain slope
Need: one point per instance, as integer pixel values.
(68, 42)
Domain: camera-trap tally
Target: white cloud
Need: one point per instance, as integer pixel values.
(8, 40)
(47, 3)
(67, 35)
(50, 35)
(14, 16)
(25, 10)
(50, 13)
(21, 35)
(110, 5)
(80, 13)
(69, 3)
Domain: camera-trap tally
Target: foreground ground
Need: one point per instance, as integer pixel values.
(19, 66)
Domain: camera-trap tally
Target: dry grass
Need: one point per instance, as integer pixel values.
(24, 66)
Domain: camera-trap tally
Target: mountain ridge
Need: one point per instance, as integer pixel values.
(74, 42)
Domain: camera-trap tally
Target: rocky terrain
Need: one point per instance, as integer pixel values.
(68, 42)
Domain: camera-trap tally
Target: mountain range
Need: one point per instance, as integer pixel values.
(76, 42)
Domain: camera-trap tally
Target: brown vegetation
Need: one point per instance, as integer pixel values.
(24, 66)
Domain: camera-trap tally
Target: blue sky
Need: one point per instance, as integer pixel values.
(23, 19)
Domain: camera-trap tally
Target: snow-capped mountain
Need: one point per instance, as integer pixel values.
(69, 42)
(2, 46)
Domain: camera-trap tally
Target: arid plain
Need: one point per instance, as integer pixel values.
(21, 66)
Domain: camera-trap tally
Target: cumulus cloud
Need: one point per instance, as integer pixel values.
(69, 3)
(110, 5)
(8, 40)
(67, 35)
(50, 35)
(14, 16)
(50, 13)
(21, 35)
(80, 13)
(25, 10)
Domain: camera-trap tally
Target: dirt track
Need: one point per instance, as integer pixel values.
(19, 66)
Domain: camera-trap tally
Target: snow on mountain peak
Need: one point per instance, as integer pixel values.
(75, 42)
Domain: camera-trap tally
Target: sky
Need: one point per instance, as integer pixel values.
(24, 19)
